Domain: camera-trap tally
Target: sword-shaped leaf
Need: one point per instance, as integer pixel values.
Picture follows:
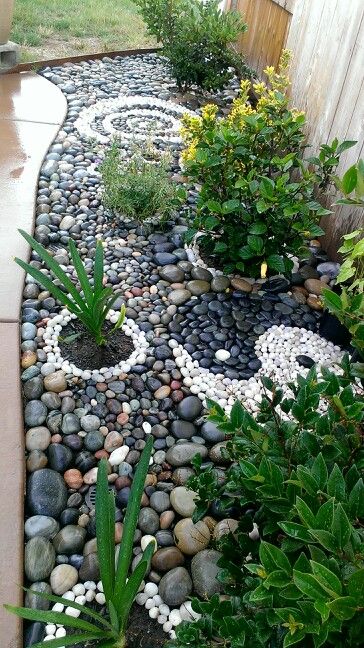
(131, 588)
(49, 616)
(82, 608)
(105, 531)
(55, 268)
(130, 523)
(81, 273)
(71, 640)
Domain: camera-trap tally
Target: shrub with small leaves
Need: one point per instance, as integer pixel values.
(139, 188)
(258, 200)
(198, 40)
(297, 474)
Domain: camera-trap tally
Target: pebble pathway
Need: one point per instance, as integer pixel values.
(197, 334)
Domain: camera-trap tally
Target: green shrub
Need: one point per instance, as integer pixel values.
(119, 588)
(257, 201)
(297, 472)
(138, 188)
(349, 305)
(197, 38)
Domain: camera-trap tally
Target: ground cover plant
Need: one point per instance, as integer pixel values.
(139, 188)
(197, 38)
(47, 28)
(92, 305)
(120, 588)
(296, 473)
(257, 204)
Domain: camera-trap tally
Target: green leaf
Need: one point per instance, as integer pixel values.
(276, 262)
(98, 271)
(59, 618)
(344, 146)
(341, 527)
(327, 579)
(325, 538)
(319, 471)
(230, 206)
(48, 284)
(255, 243)
(130, 522)
(332, 300)
(349, 180)
(294, 530)
(272, 557)
(237, 415)
(277, 579)
(54, 267)
(82, 608)
(257, 228)
(71, 641)
(323, 610)
(309, 586)
(356, 586)
(305, 513)
(336, 484)
(81, 273)
(121, 318)
(325, 516)
(343, 608)
(291, 639)
(131, 589)
(105, 530)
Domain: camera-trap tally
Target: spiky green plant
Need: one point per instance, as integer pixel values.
(92, 306)
(120, 589)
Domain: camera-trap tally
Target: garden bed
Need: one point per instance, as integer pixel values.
(198, 335)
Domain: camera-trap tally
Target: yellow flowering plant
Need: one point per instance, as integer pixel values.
(257, 203)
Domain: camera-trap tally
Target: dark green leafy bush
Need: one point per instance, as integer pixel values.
(297, 472)
(139, 188)
(257, 203)
(197, 38)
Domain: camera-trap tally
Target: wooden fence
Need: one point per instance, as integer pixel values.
(327, 41)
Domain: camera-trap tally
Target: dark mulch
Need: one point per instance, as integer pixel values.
(86, 354)
(143, 632)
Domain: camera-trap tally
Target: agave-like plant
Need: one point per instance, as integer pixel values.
(92, 306)
(120, 589)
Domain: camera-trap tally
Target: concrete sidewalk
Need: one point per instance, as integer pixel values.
(31, 113)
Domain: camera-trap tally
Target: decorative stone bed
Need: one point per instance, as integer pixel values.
(196, 334)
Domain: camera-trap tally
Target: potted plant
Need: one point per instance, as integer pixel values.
(6, 17)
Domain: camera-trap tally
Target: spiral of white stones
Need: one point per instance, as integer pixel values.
(141, 119)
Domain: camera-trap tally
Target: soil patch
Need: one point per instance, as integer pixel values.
(86, 354)
(143, 632)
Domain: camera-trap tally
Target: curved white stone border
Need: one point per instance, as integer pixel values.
(54, 357)
(135, 106)
(277, 350)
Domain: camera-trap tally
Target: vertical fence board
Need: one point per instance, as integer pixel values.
(327, 40)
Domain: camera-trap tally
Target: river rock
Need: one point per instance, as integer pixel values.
(39, 558)
(183, 453)
(204, 572)
(46, 493)
(191, 538)
(56, 382)
(167, 558)
(189, 408)
(37, 438)
(315, 286)
(70, 540)
(175, 586)
(41, 525)
(63, 578)
(183, 501)
(36, 602)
